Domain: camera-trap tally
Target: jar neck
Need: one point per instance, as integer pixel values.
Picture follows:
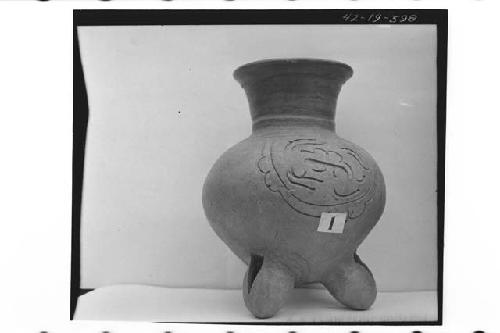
(293, 92)
(297, 96)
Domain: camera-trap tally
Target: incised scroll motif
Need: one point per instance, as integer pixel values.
(313, 178)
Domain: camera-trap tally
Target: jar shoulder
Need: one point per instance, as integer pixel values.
(306, 161)
(309, 145)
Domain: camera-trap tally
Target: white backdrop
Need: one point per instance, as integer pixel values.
(164, 106)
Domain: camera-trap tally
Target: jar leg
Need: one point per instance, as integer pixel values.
(352, 284)
(266, 286)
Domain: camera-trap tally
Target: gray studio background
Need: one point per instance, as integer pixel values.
(164, 107)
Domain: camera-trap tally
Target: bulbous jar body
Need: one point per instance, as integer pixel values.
(294, 200)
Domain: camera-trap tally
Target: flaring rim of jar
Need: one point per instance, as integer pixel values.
(262, 69)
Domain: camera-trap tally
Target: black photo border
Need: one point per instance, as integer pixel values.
(128, 17)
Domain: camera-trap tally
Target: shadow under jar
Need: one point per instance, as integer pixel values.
(294, 200)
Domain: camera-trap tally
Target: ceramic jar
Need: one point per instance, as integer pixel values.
(294, 200)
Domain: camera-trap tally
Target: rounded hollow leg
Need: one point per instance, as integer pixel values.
(266, 287)
(352, 285)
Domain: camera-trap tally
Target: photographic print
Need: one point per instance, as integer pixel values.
(271, 166)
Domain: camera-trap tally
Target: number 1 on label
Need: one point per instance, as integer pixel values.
(332, 222)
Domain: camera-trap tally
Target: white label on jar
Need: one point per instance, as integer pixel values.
(332, 222)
